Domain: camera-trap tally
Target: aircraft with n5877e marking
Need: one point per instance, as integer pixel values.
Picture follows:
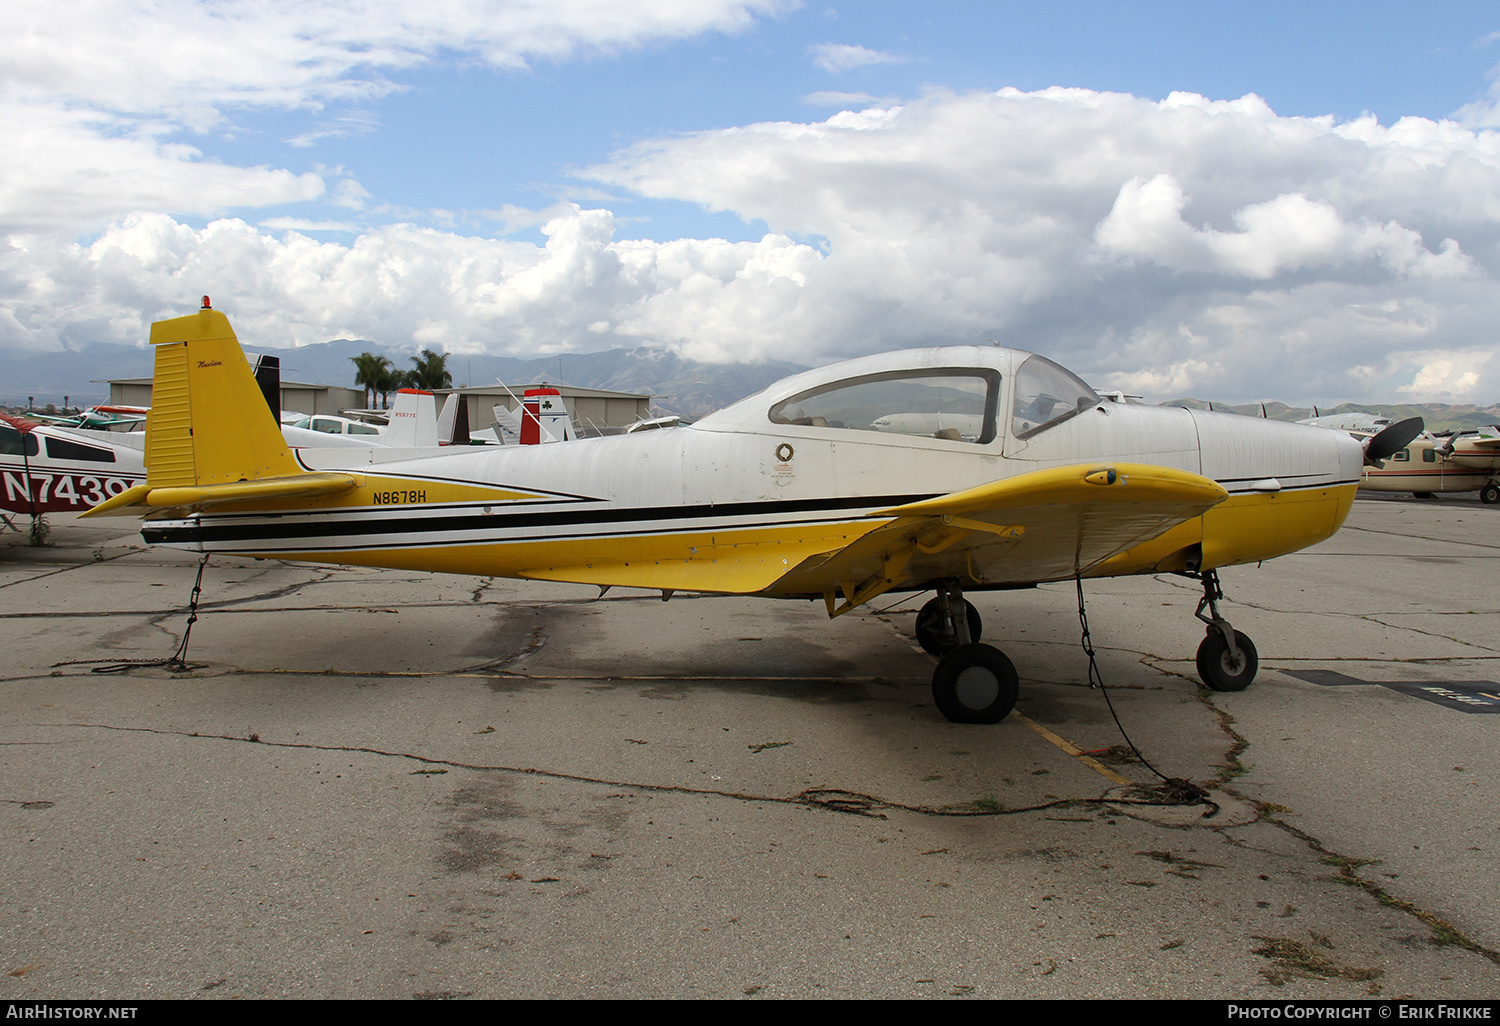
(950, 469)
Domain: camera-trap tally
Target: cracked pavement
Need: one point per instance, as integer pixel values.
(389, 784)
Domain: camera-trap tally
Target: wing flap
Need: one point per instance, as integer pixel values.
(743, 576)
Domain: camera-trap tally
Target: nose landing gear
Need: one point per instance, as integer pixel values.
(1227, 660)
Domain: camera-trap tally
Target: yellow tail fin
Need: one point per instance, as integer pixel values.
(210, 437)
(209, 423)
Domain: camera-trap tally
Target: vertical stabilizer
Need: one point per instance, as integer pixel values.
(453, 421)
(413, 419)
(507, 425)
(460, 433)
(544, 418)
(268, 377)
(447, 417)
(209, 422)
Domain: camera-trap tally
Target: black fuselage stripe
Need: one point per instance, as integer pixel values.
(351, 541)
(708, 518)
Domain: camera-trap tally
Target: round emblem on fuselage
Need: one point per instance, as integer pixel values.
(784, 453)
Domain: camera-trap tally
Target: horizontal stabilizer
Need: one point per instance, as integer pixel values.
(146, 499)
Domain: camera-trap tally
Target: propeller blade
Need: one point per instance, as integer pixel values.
(1392, 440)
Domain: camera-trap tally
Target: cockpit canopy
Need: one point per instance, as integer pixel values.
(955, 394)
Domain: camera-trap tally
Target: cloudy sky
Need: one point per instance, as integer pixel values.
(1288, 200)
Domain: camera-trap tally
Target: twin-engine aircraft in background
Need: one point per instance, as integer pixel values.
(948, 469)
(1458, 461)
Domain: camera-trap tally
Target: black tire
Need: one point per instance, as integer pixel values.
(1489, 494)
(1421, 495)
(975, 684)
(1219, 671)
(935, 637)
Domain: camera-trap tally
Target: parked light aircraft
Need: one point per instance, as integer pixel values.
(1362, 422)
(49, 468)
(1460, 461)
(790, 493)
(413, 420)
(540, 417)
(46, 469)
(98, 418)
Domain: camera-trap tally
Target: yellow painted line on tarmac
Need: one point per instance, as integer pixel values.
(1088, 760)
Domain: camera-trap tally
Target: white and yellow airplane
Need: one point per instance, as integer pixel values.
(830, 484)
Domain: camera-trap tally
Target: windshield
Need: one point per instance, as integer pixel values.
(1047, 394)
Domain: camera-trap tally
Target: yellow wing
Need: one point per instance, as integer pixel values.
(1048, 525)
(1043, 526)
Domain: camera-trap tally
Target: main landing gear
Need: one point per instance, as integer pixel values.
(976, 683)
(1227, 660)
(935, 631)
(1490, 493)
(973, 683)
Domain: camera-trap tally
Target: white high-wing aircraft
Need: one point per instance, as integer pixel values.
(791, 493)
(1367, 422)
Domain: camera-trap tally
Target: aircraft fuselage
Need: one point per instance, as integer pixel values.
(734, 502)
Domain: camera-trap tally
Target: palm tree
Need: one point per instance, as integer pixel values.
(369, 371)
(387, 381)
(431, 372)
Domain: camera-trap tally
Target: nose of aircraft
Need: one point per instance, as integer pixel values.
(1240, 451)
(1289, 485)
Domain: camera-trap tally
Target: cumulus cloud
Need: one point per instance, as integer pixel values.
(836, 57)
(1173, 245)
(66, 169)
(401, 283)
(1182, 246)
(1288, 232)
(833, 98)
(96, 95)
(1484, 113)
(164, 55)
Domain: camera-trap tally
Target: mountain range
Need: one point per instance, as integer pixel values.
(684, 387)
(1436, 416)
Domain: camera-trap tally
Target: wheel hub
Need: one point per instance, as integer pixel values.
(977, 688)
